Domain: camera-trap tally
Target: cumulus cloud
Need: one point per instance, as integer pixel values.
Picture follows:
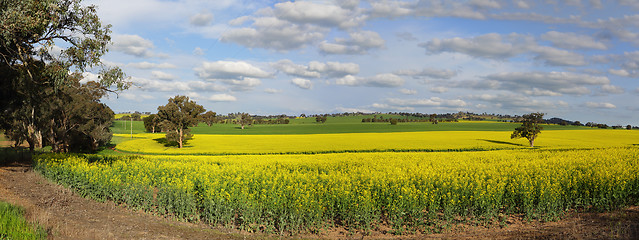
(148, 65)
(557, 57)
(222, 98)
(327, 15)
(133, 45)
(438, 89)
(490, 45)
(201, 19)
(408, 91)
(426, 102)
(359, 43)
(274, 33)
(316, 69)
(334, 69)
(485, 3)
(290, 68)
(136, 96)
(302, 83)
(428, 72)
(546, 82)
(272, 90)
(379, 80)
(171, 86)
(619, 72)
(572, 41)
(517, 102)
(500, 47)
(612, 89)
(230, 70)
(162, 75)
(602, 105)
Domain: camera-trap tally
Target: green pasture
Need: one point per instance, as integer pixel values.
(349, 124)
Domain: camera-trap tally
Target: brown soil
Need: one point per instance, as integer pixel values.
(66, 215)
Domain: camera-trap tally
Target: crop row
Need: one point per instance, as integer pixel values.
(406, 191)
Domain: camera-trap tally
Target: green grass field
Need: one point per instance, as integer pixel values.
(350, 124)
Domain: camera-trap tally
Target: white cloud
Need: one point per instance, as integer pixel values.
(518, 102)
(273, 33)
(290, 68)
(561, 82)
(619, 72)
(133, 45)
(302, 83)
(148, 65)
(327, 15)
(485, 3)
(244, 84)
(316, 69)
(272, 90)
(334, 69)
(230, 70)
(88, 77)
(198, 51)
(428, 72)
(603, 105)
(572, 41)
(427, 102)
(201, 19)
(359, 43)
(522, 4)
(408, 91)
(172, 86)
(390, 9)
(379, 80)
(162, 75)
(558, 57)
(222, 98)
(612, 89)
(490, 45)
(438, 89)
(541, 92)
(136, 96)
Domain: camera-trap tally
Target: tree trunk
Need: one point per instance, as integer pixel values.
(532, 141)
(180, 138)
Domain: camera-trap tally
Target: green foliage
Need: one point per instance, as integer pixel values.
(320, 119)
(40, 89)
(177, 116)
(14, 226)
(208, 118)
(152, 123)
(529, 128)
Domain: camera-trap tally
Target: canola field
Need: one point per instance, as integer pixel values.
(208, 144)
(407, 191)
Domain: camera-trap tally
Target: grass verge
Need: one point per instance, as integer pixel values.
(13, 225)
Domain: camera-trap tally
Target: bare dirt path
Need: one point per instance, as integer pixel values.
(69, 216)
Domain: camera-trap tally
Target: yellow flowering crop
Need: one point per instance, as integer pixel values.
(357, 190)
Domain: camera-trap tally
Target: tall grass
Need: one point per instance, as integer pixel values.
(14, 226)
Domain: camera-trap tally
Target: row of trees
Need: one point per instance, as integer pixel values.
(43, 99)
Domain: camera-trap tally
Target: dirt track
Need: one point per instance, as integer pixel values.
(69, 216)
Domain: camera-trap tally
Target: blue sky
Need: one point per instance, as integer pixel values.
(574, 59)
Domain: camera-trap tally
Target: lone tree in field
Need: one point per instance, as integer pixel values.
(529, 128)
(177, 116)
(243, 119)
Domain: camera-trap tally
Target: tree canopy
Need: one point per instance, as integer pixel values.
(177, 116)
(529, 128)
(45, 47)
